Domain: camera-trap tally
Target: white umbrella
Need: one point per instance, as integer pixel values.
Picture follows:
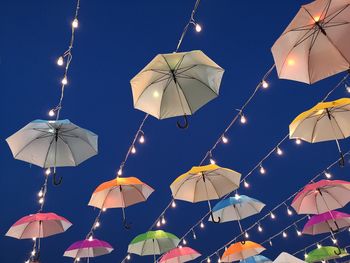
(315, 44)
(287, 258)
(176, 84)
(53, 144)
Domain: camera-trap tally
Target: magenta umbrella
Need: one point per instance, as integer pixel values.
(326, 222)
(323, 196)
(179, 255)
(88, 248)
(38, 226)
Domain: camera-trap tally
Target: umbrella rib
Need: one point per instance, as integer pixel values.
(162, 99)
(48, 150)
(86, 141)
(189, 77)
(189, 106)
(70, 149)
(341, 131)
(334, 15)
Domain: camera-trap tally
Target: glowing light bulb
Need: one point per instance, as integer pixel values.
(158, 223)
(120, 171)
(163, 220)
(334, 241)
(208, 260)
(260, 229)
(328, 174)
(212, 161)
(75, 23)
(298, 141)
(246, 235)
(142, 139)
(133, 149)
(91, 238)
(219, 260)
(104, 209)
(270, 242)
(78, 259)
(41, 200)
(180, 246)
(299, 233)
(272, 215)
(224, 139)
(237, 196)
(97, 224)
(305, 255)
(317, 18)
(291, 62)
(243, 119)
(173, 204)
(347, 87)
(33, 252)
(51, 113)
(128, 257)
(64, 81)
(284, 234)
(47, 171)
(262, 169)
(279, 151)
(156, 94)
(194, 235)
(60, 61)
(289, 212)
(198, 27)
(184, 241)
(246, 184)
(40, 194)
(265, 84)
(202, 225)
(319, 245)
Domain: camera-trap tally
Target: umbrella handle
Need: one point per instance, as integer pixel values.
(127, 225)
(243, 242)
(338, 251)
(213, 219)
(185, 125)
(54, 180)
(342, 160)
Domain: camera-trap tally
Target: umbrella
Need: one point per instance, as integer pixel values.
(323, 196)
(236, 209)
(325, 253)
(329, 221)
(204, 183)
(38, 225)
(256, 259)
(153, 243)
(120, 193)
(324, 122)
(53, 144)
(176, 84)
(88, 248)
(287, 258)
(179, 255)
(241, 251)
(313, 46)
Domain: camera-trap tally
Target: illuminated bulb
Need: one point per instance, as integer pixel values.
(260, 228)
(27, 261)
(158, 223)
(306, 255)
(34, 239)
(291, 62)
(272, 215)
(246, 235)
(33, 252)
(212, 161)
(265, 85)
(319, 246)
(184, 241)
(142, 139)
(133, 149)
(202, 225)
(41, 200)
(328, 174)
(40, 194)
(243, 119)
(163, 220)
(194, 235)
(51, 113)
(262, 170)
(104, 209)
(284, 234)
(289, 212)
(334, 241)
(198, 28)
(208, 260)
(156, 94)
(97, 224)
(224, 139)
(270, 242)
(219, 260)
(246, 184)
(173, 204)
(78, 259)
(64, 81)
(75, 23)
(120, 171)
(298, 141)
(317, 18)
(60, 61)
(47, 171)
(237, 196)
(347, 87)
(299, 233)
(279, 151)
(128, 257)
(90, 238)
(180, 246)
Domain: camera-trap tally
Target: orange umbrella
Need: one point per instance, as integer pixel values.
(120, 193)
(241, 250)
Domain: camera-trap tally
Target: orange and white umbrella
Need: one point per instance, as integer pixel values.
(241, 250)
(120, 192)
(315, 44)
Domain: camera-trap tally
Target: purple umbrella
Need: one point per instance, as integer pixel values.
(88, 248)
(327, 222)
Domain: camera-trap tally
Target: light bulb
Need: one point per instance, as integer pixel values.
(180, 246)
(306, 255)
(202, 225)
(33, 252)
(246, 184)
(219, 260)
(237, 196)
(60, 61)
(279, 151)
(243, 119)
(47, 171)
(284, 234)
(328, 174)
(208, 260)
(246, 235)
(319, 245)
(347, 87)
(128, 257)
(270, 242)
(91, 238)
(194, 235)
(299, 233)
(64, 81)
(97, 224)
(133, 149)
(260, 229)
(163, 220)
(51, 113)
(264, 84)
(120, 171)
(75, 23)
(158, 223)
(224, 139)
(41, 200)
(173, 204)
(198, 27)
(212, 161)
(78, 259)
(298, 141)
(262, 169)
(34, 239)
(40, 194)
(104, 209)
(334, 241)
(184, 241)
(272, 215)
(142, 139)
(289, 212)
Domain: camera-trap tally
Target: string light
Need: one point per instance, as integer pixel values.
(33, 252)
(224, 139)
(260, 229)
(212, 161)
(202, 225)
(75, 23)
(335, 241)
(198, 27)
(272, 215)
(40, 194)
(133, 149)
(279, 151)
(243, 119)
(328, 174)
(289, 211)
(120, 171)
(51, 113)
(298, 141)
(194, 234)
(270, 242)
(128, 257)
(64, 81)
(305, 255)
(319, 245)
(97, 224)
(163, 220)
(347, 87)
(158, 223)
(173, 204)
(299, 233)
(262, 169)
(246, 235)
(48, 171)
(104, 209)
(60, 61)
(208, 260)
(41, 200)
(184, 242)
(237, 196)
(246, 184)
(142, 139)
(284, 234)
(91, 238)
(264, 84)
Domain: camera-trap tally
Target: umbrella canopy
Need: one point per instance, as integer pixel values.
(241, 250)
(323, 196)
(326, 222)
(176, 84)
(313, 46)
(237, 208)
(325, 253)
(179, 255)
(53, 144)
(153, 243)
(287, 258)
(88, 248)
(38, 225)
(256, 259)
(324, 122)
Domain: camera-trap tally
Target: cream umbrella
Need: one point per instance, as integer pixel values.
(176, 84)
(287, 258)
(324, 122)
(315, 44)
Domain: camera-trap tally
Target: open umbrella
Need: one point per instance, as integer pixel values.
(179, 255)
(323, 196)
(53, 144)
(120, 192)
(313, 46)
(330, 221)
(324, 122)
(325, 253)
(153, 243)
(176, 84)
(204, 183)
(256, 259)
(287, 258)
(88, 248)
(236, 209)
(241, 251)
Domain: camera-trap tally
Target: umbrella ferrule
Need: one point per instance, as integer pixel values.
(317, 23)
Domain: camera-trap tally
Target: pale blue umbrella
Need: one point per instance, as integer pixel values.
(257, 259)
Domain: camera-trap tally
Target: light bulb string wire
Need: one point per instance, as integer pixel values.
(69, 56)
(282, 204)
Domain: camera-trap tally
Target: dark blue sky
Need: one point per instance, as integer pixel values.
(115, 40)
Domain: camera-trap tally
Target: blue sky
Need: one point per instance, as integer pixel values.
(115, 40)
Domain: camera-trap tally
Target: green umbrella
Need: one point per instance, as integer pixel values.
(153, 243)
(325, 253)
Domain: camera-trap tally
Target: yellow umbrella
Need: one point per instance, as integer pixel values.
(204, 183)
(324, 122)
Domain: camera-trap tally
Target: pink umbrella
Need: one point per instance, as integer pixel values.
(38, 226)
(179, 255)
(88, 248)
(326, 222)
(323, 196)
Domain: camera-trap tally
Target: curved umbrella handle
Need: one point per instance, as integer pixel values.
(243, 242)
(127, 225)
(185, 125)
(213, 219)
(54, 180)
(342, 160)
(338, 251)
